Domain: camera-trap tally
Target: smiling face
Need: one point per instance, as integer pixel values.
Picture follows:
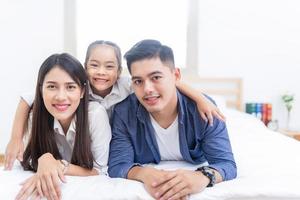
(102, 69)
(153, 83)
(61, 95)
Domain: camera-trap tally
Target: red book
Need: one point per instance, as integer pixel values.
(265, 113)
(269, 113)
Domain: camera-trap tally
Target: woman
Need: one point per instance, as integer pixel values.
(68, 135)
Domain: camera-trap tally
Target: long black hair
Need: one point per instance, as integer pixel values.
(42, 137)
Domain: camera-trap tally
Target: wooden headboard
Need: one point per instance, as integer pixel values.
(1, 159)
(229, 88)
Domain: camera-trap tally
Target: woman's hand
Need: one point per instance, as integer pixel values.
(29, 189)
(14, 150)
(50, 173)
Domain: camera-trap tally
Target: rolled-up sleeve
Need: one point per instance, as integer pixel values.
(217, 149)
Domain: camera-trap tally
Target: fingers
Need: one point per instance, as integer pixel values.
(62, 176)
(35, 196)
(44, 188)
(167, 189)
(184, 197)
(27, 189)
(9, 160)
(39, 188)
(182, 194)
(56, 186)
(220, 115)
(166, 176)
(203, 116)
(20, 155)
(210, 118)
(51, 188)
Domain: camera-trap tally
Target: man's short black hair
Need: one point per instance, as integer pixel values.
(147, 49)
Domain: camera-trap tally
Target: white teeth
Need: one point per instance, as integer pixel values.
(151, 97)
(100, 80)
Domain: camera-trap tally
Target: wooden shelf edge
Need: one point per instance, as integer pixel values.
(1, 159)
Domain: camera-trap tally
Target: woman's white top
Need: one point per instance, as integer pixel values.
(100, 133)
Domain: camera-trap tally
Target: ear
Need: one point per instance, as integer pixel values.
(177, 74)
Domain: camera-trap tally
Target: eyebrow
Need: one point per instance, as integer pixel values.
(150, 74)
(54, 82)
(105, 62)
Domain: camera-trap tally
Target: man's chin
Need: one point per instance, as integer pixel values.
(152, 109)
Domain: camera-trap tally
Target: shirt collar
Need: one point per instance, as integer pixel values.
(114, 91)
(58, 128)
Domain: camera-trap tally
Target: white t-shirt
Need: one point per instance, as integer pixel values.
(100, 134)
(121, 89)
(167, 140)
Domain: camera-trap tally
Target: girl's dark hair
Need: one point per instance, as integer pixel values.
(42, 137)
(104, 42)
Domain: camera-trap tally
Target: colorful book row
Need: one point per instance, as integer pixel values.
(263, 111)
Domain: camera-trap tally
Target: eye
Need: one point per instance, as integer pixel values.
(156, 78)
(110, 66)
(137, 82)
(51, 86)
(71, 87)
(93, 65)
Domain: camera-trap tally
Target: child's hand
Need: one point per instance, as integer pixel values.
(207, 110)
(14, 150)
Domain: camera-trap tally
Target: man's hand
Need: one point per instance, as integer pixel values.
(14, 150)
(50, 173)
(184, 182)
(151, 178)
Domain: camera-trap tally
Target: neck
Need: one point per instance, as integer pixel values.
(65, 124)
(102, 93)
(167, 116)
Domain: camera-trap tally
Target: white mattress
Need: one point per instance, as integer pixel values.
(268, 168)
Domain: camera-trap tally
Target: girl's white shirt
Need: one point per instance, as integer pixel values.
(100, 133)
(121, 89)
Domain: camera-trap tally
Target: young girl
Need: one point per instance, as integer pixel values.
(103, 66)
(69, 135)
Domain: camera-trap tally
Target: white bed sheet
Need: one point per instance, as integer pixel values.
(268, 169)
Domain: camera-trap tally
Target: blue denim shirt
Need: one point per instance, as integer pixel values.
(134, 143)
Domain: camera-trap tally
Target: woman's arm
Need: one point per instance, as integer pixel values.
(205, 107)
(15, 147)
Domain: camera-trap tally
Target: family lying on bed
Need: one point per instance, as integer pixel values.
(70, 134)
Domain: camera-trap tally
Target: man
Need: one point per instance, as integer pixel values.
(157, 123)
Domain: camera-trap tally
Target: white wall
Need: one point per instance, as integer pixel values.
(258, 40)
(31, 30)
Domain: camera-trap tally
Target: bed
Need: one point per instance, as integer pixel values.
(268, 169)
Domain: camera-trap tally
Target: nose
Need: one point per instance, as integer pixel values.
(101, 70)
(148, 87)
(61, 94)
